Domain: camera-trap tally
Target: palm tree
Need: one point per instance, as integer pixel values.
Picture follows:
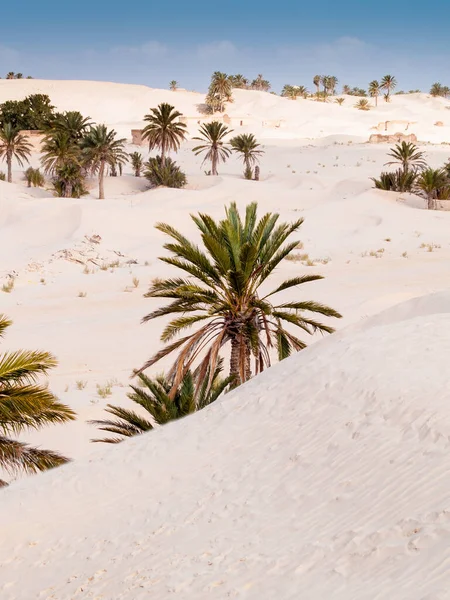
(247, 146)
(137, 162)
(164, 131)
(317, 80)
(346, 90)
(25, 404)
(434, 183)
(10, 75)
(374, 90)
(19, 76)
(213, 144)
(58, 149)
(388, 83)
(408, 155)
(13, 145)
(333, 81)
(152, 395)
(238, 81)
(101, 148)
(222, 288)
(173, 85)
(220, 89)
(72, 123)
(436, 89)
(362, 104)
(261, 84)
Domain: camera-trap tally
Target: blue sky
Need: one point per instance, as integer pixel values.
(288, 41)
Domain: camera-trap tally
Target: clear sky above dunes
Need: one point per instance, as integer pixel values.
(288, 41)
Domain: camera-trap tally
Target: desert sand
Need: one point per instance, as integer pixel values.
(325, 476)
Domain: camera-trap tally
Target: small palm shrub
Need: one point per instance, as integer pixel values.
(340, 101)
(397, 181)
(34, 177)
(168, 174)
(434, 185)
(2, 176)
(362, 104)
(137, 162)
(153, 396)
(248, 173)
(69, 181)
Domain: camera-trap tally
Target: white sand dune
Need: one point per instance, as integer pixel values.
(323, 478)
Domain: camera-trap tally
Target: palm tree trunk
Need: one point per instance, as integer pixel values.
(430, 201)
(101, 176)
(9, 163)
(235, 370)
(163, 152)
(214, 162)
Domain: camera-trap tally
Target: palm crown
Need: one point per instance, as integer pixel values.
(388, 83)
(247, 146)
(153, 395)
(13, 144)
(25, 404)
(214, 146)
(222, 290)
(408, 155)
(72, 123)
(164, 131)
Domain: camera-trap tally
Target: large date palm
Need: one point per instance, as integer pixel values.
(246, 145)
(164, 130)
(221, 293)
(26, 404)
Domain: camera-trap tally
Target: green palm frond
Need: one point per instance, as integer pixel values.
(164, 131)
(153, 397)
(26, 404)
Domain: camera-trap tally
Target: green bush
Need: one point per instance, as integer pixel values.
(34, 177)
(35, 112)
(2, 176)
(169, 175)
(396, 181)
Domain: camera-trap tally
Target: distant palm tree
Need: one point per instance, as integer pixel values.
(446, 91)
(388, 83)
(212, 136)
(10, 75)
(436, 89)
(153, 396)
(100, 148)
(434, 183)
(261, 84)
(333, 81)
(221, 294)
(13, 145)
(374, 90)
(317, 80)
(19, 75)
(164, 131)
(346, 89)
(408, 155)
(173, 85)
(362, 104)
(249, 149)
(220, 89)
(72, 123)
(24, 404)
(238, 81)
(137, 162)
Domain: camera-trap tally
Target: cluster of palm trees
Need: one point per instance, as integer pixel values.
(294, 91)
(219, 291)
(414, 175)
(221, 89)
(387, 84)
(328, 83)
(73, 147)
(440, 90)
(12, 75)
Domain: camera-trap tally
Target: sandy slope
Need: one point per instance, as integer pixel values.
(324, 477)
